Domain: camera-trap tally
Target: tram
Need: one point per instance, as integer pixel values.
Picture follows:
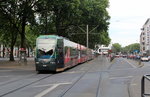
(55, 53)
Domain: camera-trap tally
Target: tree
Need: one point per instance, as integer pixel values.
(17, 14)
(94, 13)
(60, 17)
(132, 47)
(65, 17)
(8, 22)
(116, 47)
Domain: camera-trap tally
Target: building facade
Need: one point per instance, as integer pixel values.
(145, 38)
(5, 52)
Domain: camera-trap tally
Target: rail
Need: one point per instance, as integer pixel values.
(143, 94)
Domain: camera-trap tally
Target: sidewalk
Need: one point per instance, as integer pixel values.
(135, 86)
(6, 64)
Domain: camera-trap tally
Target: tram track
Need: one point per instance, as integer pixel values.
(71, 86)
(14, 80)
(8, 90)
(99, 84)
(33, 79)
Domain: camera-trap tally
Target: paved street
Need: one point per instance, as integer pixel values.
(96, 78)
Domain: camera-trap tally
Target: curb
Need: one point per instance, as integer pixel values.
(30, 65)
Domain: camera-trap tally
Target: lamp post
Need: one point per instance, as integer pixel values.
(87, 36)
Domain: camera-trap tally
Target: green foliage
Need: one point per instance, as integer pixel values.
(116, 47)
(31, 18)
(130, 48)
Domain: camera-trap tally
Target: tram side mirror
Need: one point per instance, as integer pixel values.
(60, 43)
(59, 47)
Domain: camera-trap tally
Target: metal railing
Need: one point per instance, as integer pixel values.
(143, 94)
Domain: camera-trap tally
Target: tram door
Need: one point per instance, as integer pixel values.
(60, 53)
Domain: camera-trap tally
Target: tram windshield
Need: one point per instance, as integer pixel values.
(46, 47)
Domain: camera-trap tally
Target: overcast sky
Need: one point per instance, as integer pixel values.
(127, 18)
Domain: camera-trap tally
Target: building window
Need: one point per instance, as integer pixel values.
(143, 43)
(143, 38)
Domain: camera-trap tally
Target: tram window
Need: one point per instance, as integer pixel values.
(73, 52)
(43, 54)
(50, 52)
(99, 50)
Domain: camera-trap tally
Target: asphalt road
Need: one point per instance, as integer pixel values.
(96, 78)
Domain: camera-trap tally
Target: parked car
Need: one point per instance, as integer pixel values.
(124, 56)
(144, 58)
(149, 58)
(117, 56)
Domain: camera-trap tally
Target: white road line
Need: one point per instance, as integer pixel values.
(6, 70)
(49, 89)
(133, 84)
(4, 76)
(71, 72)
(46, 91)
(121, 77)
(130, 64)
(52, 84)
(107, 59)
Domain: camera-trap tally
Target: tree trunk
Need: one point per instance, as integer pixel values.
(23, 32)
(28, 52)
(14, 35)
(18, 52)
(11, 53)
(3, 51)
(23, 44)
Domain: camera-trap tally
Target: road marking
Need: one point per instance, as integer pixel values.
(52, 84)
(49, 89)
(107, 59)
(4, 76)
(6, 70)
(121, 77)
(130, 64)
(133, 84)
(71, 72)
(46, 91)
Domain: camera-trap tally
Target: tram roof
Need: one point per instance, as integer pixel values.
(49, 36)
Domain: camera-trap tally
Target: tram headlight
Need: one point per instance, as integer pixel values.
(37, 62)
(52, 62)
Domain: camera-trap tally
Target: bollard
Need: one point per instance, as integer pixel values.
(142, 86)
(140, 62)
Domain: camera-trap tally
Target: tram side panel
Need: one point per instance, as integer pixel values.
(70, 53)
(60, 55)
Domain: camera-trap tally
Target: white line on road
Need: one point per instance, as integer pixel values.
(49, 89)
(4, 76)
(6, 70)
(52, 84)
(133, 84)
(46, 91)
(71, 72)
(121, 77)
(130, 64)
(107, 59)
